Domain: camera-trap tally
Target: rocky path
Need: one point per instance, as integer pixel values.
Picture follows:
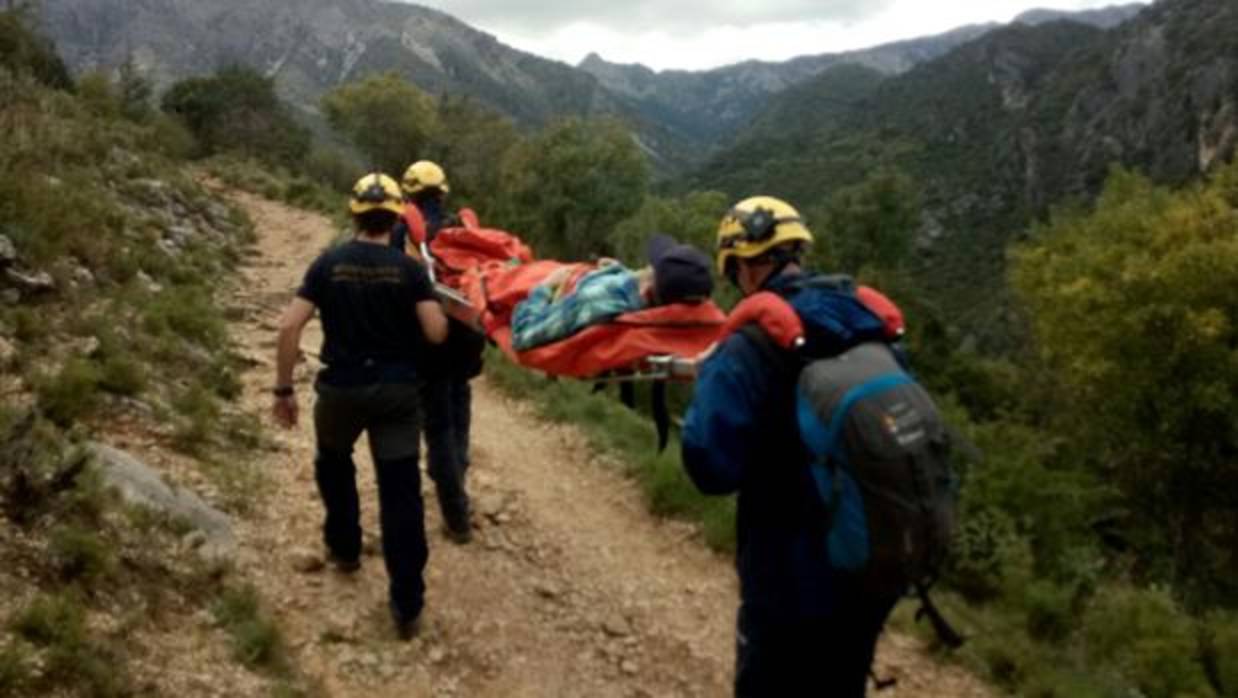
(570, 588)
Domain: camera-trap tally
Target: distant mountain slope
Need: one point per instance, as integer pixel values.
(1006, 126)
(1101, 18)
(310, 46)
(716, 103)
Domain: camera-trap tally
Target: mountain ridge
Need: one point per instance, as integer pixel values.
(312, 46)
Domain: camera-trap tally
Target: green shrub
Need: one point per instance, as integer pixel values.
(188, 312)
(1149, 641)
(990, 558)
(15, 672)
(52, 620)
(80, 555)
(71, 393)
(122, 375)
(1221, 652)
(256, 640)
(1050, 611)
(199, 413)
(24, 51)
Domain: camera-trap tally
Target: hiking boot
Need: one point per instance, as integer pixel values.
(344, 564)
(459, 534)
(405, 628)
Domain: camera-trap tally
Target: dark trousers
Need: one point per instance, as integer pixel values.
(389, 415)
(801, 658)
(447, 404)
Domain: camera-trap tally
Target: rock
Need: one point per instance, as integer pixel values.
(629, 667)
(33, 284)
(180, 234)
(83, 276)
(547, 590)
(437, 655)
(307, 561)
(140, 485)
(87, 346)
(169, 247)
(194, 540)
(8, 352)
(151, 285)
(616, 625)
(8, 252)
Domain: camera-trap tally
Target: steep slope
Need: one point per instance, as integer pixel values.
(1004, 127)
(311, 46)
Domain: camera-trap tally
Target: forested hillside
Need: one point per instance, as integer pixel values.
(1000, 130)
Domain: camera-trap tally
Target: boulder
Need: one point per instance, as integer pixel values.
(140, 485)
(31, 284)
(8, 252)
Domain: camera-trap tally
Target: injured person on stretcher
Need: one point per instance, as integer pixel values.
(556, 309)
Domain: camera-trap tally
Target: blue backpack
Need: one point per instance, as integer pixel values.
(881, 450)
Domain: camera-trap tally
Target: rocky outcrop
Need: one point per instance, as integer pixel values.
(140, 485)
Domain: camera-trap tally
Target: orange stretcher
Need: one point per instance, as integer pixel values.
(483, 274)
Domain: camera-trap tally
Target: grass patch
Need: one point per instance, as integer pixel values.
(56, 625)
(612, 428)
(15, 671)
(81, 555)
(70, 393)
(256, 640)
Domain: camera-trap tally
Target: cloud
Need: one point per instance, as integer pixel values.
(542, 17)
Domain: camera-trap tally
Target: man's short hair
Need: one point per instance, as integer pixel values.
(376, 221)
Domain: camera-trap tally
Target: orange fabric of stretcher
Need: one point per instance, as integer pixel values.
(679, 330)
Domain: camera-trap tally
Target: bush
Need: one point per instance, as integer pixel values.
(1148, 640)
(80, 555)
(236, 110)
(256, 640)
(52, 620)
(15, 672)
(1050, 611)
(1220, 640)
(70, 394)
(24, 51)
(990, 558)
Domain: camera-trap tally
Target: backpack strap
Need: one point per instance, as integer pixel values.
(945, 632)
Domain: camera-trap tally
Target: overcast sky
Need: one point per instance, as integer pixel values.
(697, 34)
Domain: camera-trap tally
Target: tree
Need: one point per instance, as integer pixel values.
(470, 142)
(870, 224)
(388, 119)
(22, 50)
(1135, 311)
(692, 218)
(567, 188)
(237, 110)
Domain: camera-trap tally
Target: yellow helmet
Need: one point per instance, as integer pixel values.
(424, 174)
(755, 226)
(373, 192)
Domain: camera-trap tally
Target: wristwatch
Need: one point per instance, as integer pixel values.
(283, 391)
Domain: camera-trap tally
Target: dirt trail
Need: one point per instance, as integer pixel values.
(569, 589)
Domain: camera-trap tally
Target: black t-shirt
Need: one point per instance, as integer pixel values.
(367, 296)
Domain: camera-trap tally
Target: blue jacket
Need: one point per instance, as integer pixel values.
(741, 435)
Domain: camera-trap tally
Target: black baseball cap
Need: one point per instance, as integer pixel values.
(680, 272)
